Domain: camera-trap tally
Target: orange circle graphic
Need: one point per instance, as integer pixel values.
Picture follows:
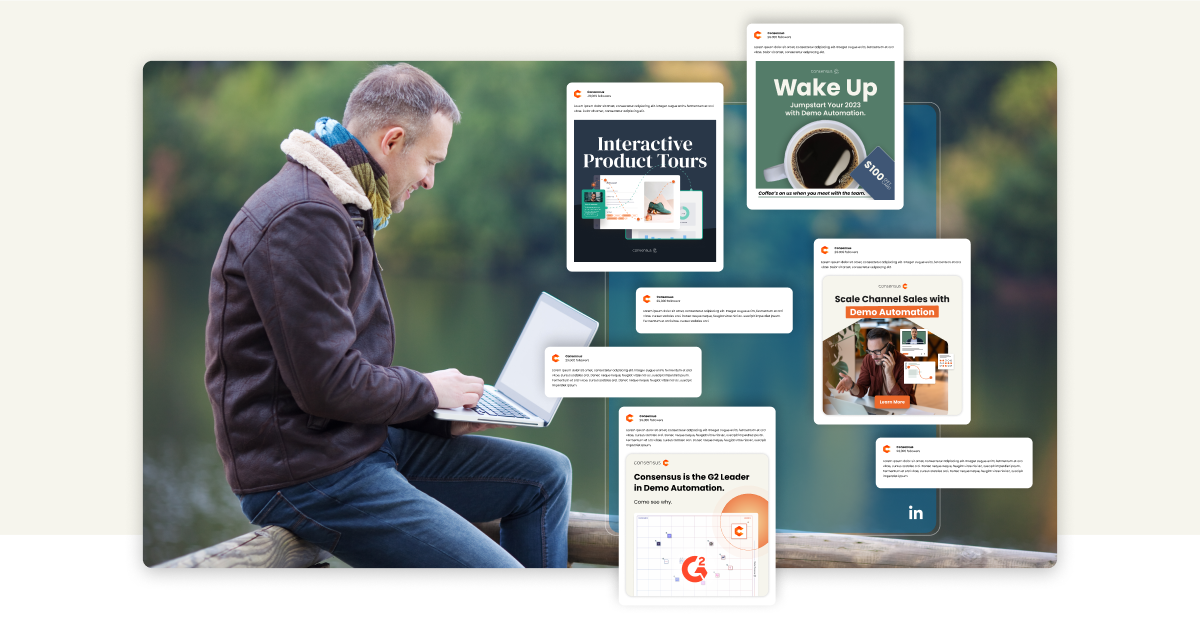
(751, 503)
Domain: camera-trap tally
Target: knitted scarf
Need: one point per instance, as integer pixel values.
(366, 170)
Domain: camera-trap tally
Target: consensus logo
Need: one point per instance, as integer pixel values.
(554, 358)
(824, 249)
(757, 34)
(578, 93)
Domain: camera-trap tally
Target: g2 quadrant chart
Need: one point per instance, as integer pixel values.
(696, 554)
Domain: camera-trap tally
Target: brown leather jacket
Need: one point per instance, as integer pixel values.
(300, 340)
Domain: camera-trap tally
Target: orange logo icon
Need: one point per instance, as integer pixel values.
(757, 34)
(578, 94)
(700, 571)
(665, 461)
(629, 418)
(554, 358)
(646, 298)
(824, 249)
(739, 531)
(887, 449)
(904, 286)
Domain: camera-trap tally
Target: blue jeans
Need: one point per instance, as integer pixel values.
(411, 504)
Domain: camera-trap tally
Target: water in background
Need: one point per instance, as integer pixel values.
(470, 325)
(999, 188)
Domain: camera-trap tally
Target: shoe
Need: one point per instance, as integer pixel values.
(657, 208)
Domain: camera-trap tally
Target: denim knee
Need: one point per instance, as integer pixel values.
(554, 469)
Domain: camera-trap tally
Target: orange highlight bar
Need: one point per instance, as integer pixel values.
(891, 401)
(881, 312)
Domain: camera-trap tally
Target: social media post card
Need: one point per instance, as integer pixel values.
(714, 310)
(914, 342)
(954, 463)
(825, 116)
(642, 160)
(890, 317)
(691, 221)
(649, 202)
(697, 516)
(642, 372)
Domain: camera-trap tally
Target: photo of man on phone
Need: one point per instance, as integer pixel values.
(881, 373)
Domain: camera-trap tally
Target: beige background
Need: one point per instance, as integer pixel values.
(70, 171)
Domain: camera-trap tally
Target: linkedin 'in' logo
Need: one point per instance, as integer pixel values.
(915, 515)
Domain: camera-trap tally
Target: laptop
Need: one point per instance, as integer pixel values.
(857, 406)
(519, 397)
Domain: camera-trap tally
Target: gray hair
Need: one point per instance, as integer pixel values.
(400, 95)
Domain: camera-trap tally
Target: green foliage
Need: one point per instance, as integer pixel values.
(1000, 168)
(212, 134)
(1017, 215)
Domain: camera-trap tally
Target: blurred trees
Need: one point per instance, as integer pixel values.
(999, 169)
(212, 134)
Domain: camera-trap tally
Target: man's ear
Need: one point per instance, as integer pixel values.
(393, 140)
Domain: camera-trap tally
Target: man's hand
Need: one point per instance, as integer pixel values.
(845, 383)
(887, 362)
(454, 389)
(458, 429)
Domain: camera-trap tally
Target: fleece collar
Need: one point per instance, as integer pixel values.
(315, 156)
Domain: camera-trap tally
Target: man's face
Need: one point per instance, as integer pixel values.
(413, 168)
(874, 347)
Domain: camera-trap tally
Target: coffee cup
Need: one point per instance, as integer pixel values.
(832, 150)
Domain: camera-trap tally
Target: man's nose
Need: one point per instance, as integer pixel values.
(427, 182)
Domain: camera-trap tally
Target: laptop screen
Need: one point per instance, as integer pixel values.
(552, 323)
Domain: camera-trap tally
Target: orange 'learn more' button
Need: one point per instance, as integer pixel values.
(891, 401)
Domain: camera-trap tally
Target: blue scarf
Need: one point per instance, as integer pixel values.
(367, 171)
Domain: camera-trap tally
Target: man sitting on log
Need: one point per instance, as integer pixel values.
(318, 431)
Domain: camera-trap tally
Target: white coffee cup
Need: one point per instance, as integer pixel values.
(784, 170)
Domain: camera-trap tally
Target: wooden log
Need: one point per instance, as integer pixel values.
(817, 550)
(269, 547)
(590, 541)
(588, 538)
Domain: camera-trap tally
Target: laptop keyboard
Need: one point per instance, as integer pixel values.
(493, 406)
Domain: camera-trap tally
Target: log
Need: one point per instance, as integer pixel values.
(590, 541)
(588, 538)
(268, 547)
(817, 550)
